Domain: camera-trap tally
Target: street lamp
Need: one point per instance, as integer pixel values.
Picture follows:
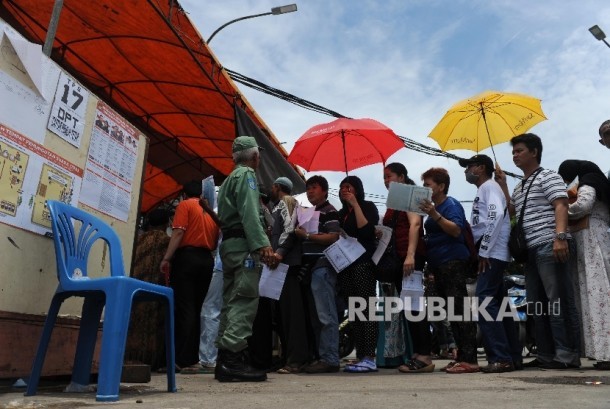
(599, 34)
(274, 11)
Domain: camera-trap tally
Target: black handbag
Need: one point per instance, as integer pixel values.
(389, 268)
(517, 245)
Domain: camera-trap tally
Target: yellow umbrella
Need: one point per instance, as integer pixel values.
(487, 119)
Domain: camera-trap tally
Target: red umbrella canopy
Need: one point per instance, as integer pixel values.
(345, 144)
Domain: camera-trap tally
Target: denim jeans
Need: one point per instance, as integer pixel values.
(500, 337)
(210, 318)
(550, 295)
(324, 287)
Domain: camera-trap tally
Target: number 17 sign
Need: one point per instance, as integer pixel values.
(67, 118)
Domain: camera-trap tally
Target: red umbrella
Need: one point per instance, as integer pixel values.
(345, 144)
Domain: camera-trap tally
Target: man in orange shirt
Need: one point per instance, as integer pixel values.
(194, 236)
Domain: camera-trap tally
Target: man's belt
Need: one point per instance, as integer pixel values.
(233, 234)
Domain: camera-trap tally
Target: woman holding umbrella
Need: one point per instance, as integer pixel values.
(448, 259)
(358, 218)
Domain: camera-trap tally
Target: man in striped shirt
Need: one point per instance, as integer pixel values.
(552, 255)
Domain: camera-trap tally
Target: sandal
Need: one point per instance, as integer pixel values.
(163, 369)
(193, 370)
(463, 367)
(449, 365)
(416, 366)
(289, 370)
(362, 366)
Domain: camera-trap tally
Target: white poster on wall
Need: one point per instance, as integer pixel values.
(30, 175)
(67, 119)
(111, 164)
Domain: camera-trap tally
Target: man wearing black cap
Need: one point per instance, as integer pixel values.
(491, 228)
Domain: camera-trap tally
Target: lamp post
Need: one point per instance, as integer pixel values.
(274, 11)
(599, 34)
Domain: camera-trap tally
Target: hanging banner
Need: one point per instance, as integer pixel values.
(67, 119)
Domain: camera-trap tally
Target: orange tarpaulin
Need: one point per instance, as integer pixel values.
(146, 59)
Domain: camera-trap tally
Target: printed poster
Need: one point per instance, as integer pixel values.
(111, 164)
(30, 175)
(67, 119)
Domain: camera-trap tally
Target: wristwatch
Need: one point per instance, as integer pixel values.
(561, 236)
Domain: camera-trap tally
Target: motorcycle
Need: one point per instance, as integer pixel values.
(517, 298)
(346, 336)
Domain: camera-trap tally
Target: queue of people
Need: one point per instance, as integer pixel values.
(567, 271)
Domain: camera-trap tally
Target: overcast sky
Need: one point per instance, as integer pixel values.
(404, 63)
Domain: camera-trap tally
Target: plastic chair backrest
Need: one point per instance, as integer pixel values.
(72, 245)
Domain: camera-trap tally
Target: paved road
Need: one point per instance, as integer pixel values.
(531, 388)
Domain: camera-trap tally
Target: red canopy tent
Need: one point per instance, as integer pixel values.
(147, 60)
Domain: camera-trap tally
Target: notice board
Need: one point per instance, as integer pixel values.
(58, 141)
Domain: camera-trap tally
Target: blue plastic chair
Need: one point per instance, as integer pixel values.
(117, 293)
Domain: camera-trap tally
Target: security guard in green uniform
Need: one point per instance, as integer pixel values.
(244, 246)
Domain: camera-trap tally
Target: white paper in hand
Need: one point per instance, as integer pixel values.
(343, 252)
(208, 191)
(412, 293)
(308, 219)
(272, 281)
(382, 244)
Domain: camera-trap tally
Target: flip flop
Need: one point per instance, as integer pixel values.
(363, 366)
(416, 366)
(463, 367)
(163, 369)
(193, 370)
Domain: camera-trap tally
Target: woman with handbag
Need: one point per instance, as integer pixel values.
(408, 242)
(358, 218)
(589, 218)
(448, 260)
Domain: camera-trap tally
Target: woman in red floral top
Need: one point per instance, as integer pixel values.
(409, 232)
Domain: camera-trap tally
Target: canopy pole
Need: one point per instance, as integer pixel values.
(488, 134)
(50, 39)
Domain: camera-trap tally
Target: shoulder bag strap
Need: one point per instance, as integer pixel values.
(520, 221)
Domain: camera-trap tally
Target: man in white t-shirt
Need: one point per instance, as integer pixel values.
(491, 227)
(551, 263)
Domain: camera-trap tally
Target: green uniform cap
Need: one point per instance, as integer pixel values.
(244, 142)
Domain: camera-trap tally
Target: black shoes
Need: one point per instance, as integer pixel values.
(557, 365)
(533, 364)
(549, 365)
(234, 367)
